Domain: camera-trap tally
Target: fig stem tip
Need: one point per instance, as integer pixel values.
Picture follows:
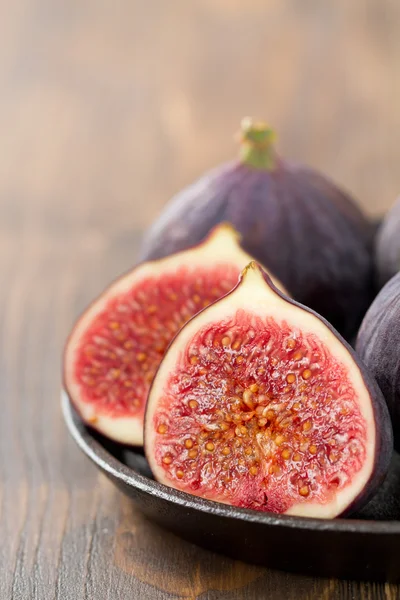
(252, 266)
(257, 144)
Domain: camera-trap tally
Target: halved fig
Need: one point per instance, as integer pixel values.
(259, 403)
(117, 344)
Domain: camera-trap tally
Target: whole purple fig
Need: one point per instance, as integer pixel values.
(304, 229)
(378, 344)
(388, 245)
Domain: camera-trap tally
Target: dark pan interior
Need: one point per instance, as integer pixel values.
(366, 546)
(385, 506)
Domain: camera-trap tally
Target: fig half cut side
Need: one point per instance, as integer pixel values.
(117, 344)
(259, 403)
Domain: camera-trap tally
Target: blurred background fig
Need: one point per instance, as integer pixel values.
(307, 231)
(388, 245)
(378, 344)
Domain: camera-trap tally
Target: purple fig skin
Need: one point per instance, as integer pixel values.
(378, 344)
(305, 230)
(387, 249)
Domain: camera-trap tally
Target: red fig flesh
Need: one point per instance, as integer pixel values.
(307, 231)
(260, 404)
(117, 344)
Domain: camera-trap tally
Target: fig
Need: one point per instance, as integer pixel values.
(388, 245)
(294, 221)
(378, 344)
(117, 344)
(259, 403)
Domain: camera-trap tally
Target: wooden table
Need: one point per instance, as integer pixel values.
(106, 109)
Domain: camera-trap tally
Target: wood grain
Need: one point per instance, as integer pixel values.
(106, 109)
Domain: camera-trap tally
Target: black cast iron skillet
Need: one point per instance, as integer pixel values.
(366, 547)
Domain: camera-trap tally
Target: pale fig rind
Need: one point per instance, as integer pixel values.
(369, 400)
(378, 344)
(301, 226)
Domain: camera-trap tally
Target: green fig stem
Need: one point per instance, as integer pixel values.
(257, 145)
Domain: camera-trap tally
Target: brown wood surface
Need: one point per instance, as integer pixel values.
(106, 109)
